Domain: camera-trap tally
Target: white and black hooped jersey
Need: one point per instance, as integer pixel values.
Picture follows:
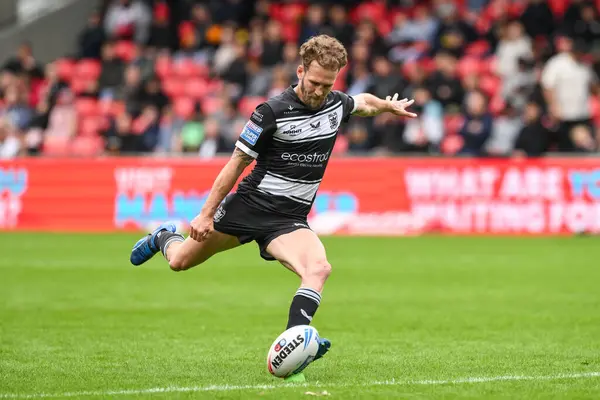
(292, 145)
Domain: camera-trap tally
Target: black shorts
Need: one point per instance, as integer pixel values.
(237, 218)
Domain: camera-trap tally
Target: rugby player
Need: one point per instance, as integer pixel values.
(291, 137)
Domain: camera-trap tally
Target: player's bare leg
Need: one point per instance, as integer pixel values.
(189, 253)
(181, 253)
(302, 252)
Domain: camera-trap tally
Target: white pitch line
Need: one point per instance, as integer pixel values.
(226, 388)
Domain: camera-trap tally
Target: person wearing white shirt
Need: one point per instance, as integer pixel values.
(567, 82)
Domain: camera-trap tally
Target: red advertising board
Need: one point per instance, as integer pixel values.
(362, 196)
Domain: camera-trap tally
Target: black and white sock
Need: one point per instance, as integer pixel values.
(164, 239)
(304, 306)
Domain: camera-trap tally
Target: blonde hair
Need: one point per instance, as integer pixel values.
(326, 50)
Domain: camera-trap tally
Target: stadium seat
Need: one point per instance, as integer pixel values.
(211, 105)
(478, 48)
(451, 144)
(55, 145)
(86, 107)
(290, 32)
(163, 67)
(125, 50)
(88, 69)
(184, 107)
(374, 11)
(87, 146)
(65, 68)
(79, 85)
(497, 105)
(248, 104)
(174, 87)
(291, 13)
(196, 88)
(187, 68)
(91, 126)
(452, 123)
(111, 107)
(490, 84)
(467, 66)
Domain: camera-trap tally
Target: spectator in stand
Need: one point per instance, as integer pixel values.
(513, 46)
(424, 133)
(92, 37)
(453, 34)
(534, 137)
(193, 132)
(24, 63)
(160, 36)
(10, 144)
(477, 127)
(444, 83)
(128, 20)
(16, 110)
(213, 143)
(314, 23)
(339, 27)
(587, 28)
(538, 19)
(272, 46)
(567, 82)
(505, 131)
(112, 75)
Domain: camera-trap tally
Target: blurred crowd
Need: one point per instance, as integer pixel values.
(489, 77)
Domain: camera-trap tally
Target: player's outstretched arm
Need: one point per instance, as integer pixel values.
(368, 105)
(202, 225)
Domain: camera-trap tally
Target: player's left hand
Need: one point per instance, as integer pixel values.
(398, 107)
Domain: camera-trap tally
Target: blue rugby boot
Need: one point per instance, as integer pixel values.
(146, 248)
(324, 345)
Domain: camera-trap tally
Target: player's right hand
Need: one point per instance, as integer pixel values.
(201, 227)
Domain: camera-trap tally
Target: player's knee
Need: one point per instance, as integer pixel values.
(179, 263)
(319, 269)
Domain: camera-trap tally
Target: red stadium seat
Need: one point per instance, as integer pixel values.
(91, 126)
(290, 32)
(467, 66)
(292, 13)
(211, 105)
(87, 146)
(452, 123)
(174, 87)
(55, 145)
(187, 68)
(451, 144)
(478, 48)
(88, 69)
(125, 50)
(248, 104)
(184, 107)
(497, 105)
(65, 68)
(163, 67)
(374, 11)
(490, 85)
(111, 107)
(86, 107)
(79, 85)
(196, 88)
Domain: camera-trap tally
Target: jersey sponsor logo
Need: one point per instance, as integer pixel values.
(315, 125)
(293, 131)
(258, 117)
(333, 120)
(251, 132)
(305, 158)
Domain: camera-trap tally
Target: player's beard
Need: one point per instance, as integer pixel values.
(309, 100)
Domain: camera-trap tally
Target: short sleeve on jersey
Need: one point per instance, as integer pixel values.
(257, 132)
(348, 105)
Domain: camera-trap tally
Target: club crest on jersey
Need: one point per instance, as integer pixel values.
(251, 132)
(333, 120)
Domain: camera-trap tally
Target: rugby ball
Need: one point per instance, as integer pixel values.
(293, 350)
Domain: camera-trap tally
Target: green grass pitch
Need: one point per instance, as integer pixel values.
(426, 317)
